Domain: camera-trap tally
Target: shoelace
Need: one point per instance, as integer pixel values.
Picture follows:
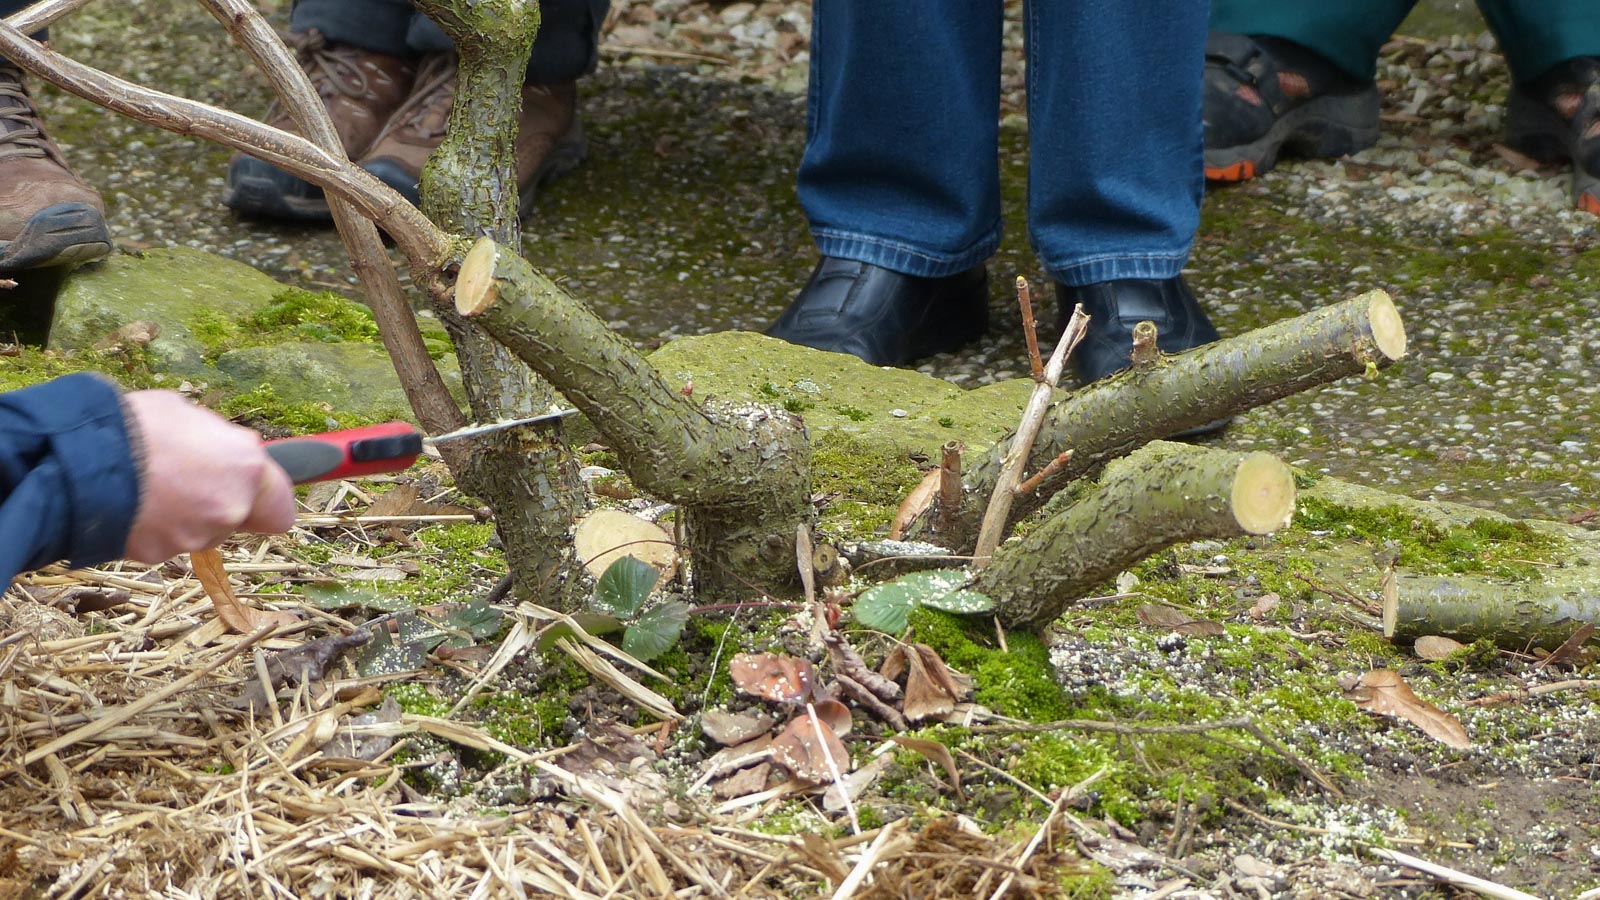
(426, 113)
(19, 121)
(329, 67)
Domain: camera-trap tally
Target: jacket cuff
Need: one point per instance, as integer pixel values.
(90, 440)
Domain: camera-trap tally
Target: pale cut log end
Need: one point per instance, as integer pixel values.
(1388, 332)
(1263, 494)
(475, 285)
(1391, 614)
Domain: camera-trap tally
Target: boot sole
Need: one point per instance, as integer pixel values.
(62, 235)
(1537, 131)
(263, 198)
(1325, 127)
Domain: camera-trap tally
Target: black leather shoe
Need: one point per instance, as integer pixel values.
(882, 316)
(1115, 307)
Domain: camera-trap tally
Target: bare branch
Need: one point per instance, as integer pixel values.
(417, 237)
(41, 15)
(397, 326)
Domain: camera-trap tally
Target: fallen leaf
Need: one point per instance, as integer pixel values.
(1264, 604)
(804, 750)
(1170, 618)
(386, 573)
(1434, 647)
(931, 691)
(728, 728)
(404, 500)
(308, 662)
(133, 334)
(835, 715)
(362, 737)
(213, 576)
(1520, 162)
(1568, 648)
(854, 784)
(1384, 692)
(936, 752)
(772, 676)
(742, 782)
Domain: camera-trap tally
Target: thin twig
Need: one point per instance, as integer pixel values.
(1030, 329)
(41, 15)
(1453, 877)
(995, 516)
(1049, 471)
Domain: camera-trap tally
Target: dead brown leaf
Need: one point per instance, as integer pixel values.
(1171, 618)
(1384, 692)
(937, 753)
(772, 676)
(213, 576)
(1434, 647)
(728, 728)
(1264, 604)
(742, 782)
(1519, 162)
(1569, 647)
(804, 750)
(133, 334)
(931, 690)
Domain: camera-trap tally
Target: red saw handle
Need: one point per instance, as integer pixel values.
(390, 447)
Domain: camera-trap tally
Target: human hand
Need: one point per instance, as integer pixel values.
(203, 478)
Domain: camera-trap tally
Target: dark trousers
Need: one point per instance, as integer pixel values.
(567, 45)
(1535, 34)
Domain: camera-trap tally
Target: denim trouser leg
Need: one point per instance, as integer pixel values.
(567, 45)
(901, 161)
(1115, 170)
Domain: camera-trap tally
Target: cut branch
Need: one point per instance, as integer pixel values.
(1516, 617)
(741, 472)
(1162, 495)
(1114, 416)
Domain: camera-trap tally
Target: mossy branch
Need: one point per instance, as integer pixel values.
(1116, 415)
(742, 473)
(1159, 496)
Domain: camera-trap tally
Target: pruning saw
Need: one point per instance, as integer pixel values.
(390, 447)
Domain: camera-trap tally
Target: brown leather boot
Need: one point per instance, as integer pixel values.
(360, 89)
(550, 141)
(48, 215)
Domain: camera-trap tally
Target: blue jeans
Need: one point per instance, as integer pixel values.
(901, 165)
(565, 48)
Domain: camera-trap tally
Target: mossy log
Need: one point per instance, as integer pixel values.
(1162, 495)
(1514, 616)
(741, 472)
(1116, 415)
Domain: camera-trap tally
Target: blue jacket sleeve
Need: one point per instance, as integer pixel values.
(69, 483)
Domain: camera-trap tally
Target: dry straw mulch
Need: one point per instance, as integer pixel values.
(127, 771)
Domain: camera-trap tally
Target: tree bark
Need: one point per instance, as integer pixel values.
(741, 472)
(527, 475)
(1514, 616)
(1162, 495)
(1114, 416)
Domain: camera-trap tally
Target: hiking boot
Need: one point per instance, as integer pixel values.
(360, 90)
(550, 140)
(48, 215)
(1556, 117)
(1264, 94)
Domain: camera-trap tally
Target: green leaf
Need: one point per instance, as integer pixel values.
(476, 621)
(622, 589)
(341, 596)
(656, 631)
(885, 606)
(592, 622)
(962, 603)
(383, 656)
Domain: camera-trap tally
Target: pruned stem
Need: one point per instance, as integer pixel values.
(950, 480)
(997, 516)
(1114, 416)
(1160, 496)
